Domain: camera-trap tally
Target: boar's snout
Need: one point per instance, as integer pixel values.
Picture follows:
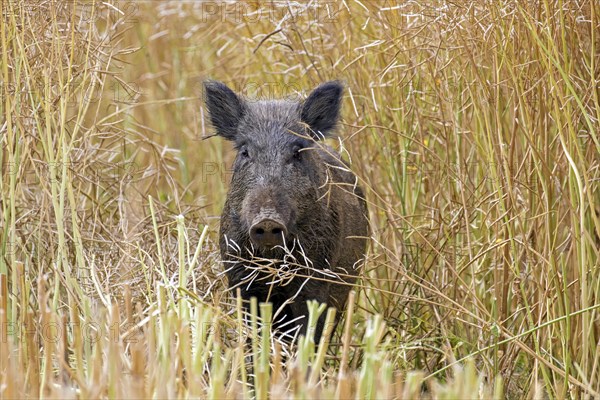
(268, 232)
(269, 215)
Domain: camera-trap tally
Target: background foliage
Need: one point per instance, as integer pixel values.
(472, 126)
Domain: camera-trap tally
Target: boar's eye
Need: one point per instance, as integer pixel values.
(244, 152)
(297, 152)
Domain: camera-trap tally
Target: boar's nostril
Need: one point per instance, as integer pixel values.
(267, 232)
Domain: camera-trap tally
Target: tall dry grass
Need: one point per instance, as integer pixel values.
(473, 127)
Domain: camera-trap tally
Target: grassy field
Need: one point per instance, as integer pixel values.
(473, 128)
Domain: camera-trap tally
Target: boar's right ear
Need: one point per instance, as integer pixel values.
(321, 110)
(225, 108)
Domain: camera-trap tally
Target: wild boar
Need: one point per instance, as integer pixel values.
(294, 226)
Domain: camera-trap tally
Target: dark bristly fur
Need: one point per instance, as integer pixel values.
(284, 174)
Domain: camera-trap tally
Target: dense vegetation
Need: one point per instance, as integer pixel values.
(473, 127)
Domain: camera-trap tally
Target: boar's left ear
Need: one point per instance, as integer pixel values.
(321, 110)
(225, 108)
